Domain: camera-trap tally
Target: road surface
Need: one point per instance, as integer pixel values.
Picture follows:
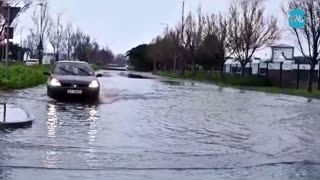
(160, 129)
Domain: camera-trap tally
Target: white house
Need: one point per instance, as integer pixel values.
(48, 58)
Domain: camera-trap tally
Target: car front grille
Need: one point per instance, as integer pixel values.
(71, 85)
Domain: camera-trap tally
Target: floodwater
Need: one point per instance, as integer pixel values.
(160, 129)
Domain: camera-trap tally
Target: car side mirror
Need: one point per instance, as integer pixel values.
(46, 73)
(99, 75)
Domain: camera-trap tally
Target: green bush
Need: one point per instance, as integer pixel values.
(21, 76)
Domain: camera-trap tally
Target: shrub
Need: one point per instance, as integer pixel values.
(21, 76)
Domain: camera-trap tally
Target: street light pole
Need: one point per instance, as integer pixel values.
(181, 62)
(167, 26)
(182, 21)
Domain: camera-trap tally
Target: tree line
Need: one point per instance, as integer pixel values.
(208, 40)
(67, 42)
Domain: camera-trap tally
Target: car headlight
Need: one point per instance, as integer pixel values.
(54, 82)
(94, 84)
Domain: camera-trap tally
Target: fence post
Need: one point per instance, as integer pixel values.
(267, 70)
(298, 76)
(258, 73)
(230, 69)
(250, 68)
(281, 64)
(236, 68)
(4, 112)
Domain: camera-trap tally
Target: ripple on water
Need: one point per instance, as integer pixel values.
(159, 129)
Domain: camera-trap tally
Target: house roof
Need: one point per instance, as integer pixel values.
(282, 46)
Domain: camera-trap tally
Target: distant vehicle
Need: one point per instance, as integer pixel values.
(32, 62)
(73, 79)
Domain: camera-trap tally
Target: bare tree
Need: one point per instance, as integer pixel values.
(68, 38)
(154, 52)
(194, 34)
(81, 43)
(250, 30)
(163, 50)
(75, 42)
(30, 43)
(56, 36)
(94, 52)
(218, 27)
(173, 46)
(308, 37)
(41, 22)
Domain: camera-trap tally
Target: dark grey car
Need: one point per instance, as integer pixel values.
(73, 79)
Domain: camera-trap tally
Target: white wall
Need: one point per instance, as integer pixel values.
(47, 59)
(277, 53)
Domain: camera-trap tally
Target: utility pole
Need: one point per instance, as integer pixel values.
(182, 39)
(182, 21)
(165, 24)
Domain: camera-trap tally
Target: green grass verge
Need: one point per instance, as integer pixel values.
(234, 80)
(253, 83)
(277, 90)
(21, 76)
(95, 67)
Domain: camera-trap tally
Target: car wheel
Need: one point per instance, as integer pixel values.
(49, 93)
(95, 97)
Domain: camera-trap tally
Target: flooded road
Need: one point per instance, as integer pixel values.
(159, 129)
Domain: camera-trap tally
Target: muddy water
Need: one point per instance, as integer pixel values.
(159, 129)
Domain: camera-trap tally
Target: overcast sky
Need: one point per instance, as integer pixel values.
(123, 24)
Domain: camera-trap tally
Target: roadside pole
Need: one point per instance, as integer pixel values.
(298, 76)
(318, 76)
(281, 67)
(8, 41)
(4, 112)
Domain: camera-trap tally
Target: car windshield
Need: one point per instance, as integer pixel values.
(75, 69)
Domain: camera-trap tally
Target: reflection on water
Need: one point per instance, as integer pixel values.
(62, 126)
(52, 122)
(92, 132)
(92, 135)
(51, 159)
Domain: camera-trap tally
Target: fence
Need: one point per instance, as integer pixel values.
(284, 74)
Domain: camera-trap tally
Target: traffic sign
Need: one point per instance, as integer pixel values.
(14, 11)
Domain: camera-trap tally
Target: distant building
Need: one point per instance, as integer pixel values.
(281, 52)
(48, 58)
